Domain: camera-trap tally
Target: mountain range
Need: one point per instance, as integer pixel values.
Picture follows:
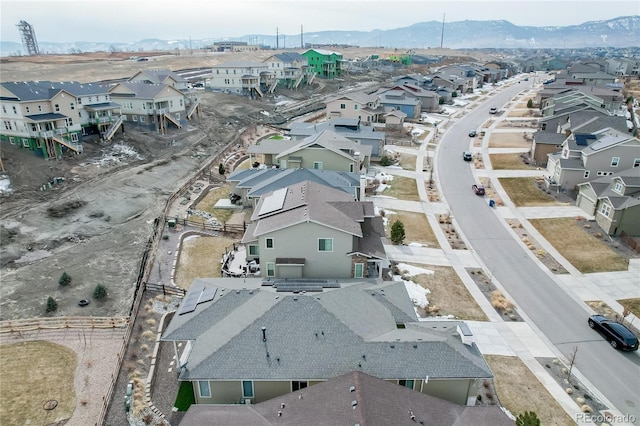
(623, 31)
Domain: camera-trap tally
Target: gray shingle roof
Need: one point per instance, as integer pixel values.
(331, 141)
(140, 89)
(379, 403)
(44, 90)
(320, 336)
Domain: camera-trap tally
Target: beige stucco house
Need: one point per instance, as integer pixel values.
(358, 105)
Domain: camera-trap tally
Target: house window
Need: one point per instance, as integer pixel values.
(134, 117)
(12, 141)
(268, 243)
(204, 390)
(359, 270)
(247, 389)
(25, 143)
(355, 107)
(74, 137)
(27, 109)
(605, 209)
(142, 119)
(253, 250)
(317, 165)
(615, 161)
(4, 109)
(15, 111)
(636, 162)
(271, 269)
(39, 108)
(586, 174)
(618, 188)
(38, 143)
(325, 244)
(351, 167)
(343, 106)
(72, 105)
(297, 385)
(177, 116)
(57, 107)
(406, 383)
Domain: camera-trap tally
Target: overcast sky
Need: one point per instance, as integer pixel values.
(132, 20)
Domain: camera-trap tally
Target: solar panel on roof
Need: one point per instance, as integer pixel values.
(190, 302)
(207, 294)
(274, 201)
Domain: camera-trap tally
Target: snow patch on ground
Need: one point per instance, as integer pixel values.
(412, 271)
(417, 294)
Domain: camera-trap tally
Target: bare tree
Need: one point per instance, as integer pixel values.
(572, 360)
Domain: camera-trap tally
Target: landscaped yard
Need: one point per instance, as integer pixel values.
(508, 162)
(408, 161)
(521, 112)
(33, 373)
(200, 257)
(448, 294)
(586, 252)
(416, 227)
(523, 192)
(518, 390)
(508, 140)
(632, 305)
(209, 201)
(403, 188)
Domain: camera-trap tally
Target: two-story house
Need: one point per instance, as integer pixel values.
(290, 69)
(325, 150)
(614, 201)
(350, 128)
(463, 73)
(242, 77)
(429, 100)
(309, 230)
(360, 105)
(398, 100)
(170, 78)
(585, 157)
(325, 63)
(253, 344)
(51, 118)
(154, 107)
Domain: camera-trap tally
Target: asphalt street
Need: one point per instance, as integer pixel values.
(558, 315)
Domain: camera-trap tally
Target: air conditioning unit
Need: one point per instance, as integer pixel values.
(247, 401)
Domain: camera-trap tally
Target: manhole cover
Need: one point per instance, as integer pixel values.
(50, 404)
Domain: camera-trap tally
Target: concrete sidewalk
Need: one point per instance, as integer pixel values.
(496, 336)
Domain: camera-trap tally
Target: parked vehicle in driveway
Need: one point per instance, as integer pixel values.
(478, 189)
(617, 334)
(467, 156)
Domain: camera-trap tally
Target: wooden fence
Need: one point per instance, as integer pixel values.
(58, 323)
(167, 290)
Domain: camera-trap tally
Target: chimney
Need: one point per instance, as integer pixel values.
(264, 334)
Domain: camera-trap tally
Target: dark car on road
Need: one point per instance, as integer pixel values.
(617, 334)
(467, 156)
(472, 134)
(478, 189)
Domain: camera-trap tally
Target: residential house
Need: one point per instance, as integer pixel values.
(155, 107)
(254, 344)
(394, 119)
(326, 150)
(614, 201)
(413, 79)
(544, 144)
(429, 100)
(170, 78)
(585, 157)
(398, 100)
(325, 63)
(555, 101)
(464, 73)
(52, 119)
(309, 230)
(250, 184)
(290, 69)
(360, 105)
(241, 77)
(349, 399)
(350, 128)
(452, 83)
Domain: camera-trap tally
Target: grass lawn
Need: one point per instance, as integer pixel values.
(586, 252)
(449, 294)
(403, 188)
(209, 201)
(508, 162)
(519, 390)
(632, 305)
(508, 140)
(200, 258)
(32, 374)
(408, 161)
(185, 396)
(416, 228)
(524, 192)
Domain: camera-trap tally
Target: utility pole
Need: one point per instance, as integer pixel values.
(442, 35)
(301, 38)
(277, 39)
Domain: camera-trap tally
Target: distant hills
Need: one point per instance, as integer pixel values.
(618, 32)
